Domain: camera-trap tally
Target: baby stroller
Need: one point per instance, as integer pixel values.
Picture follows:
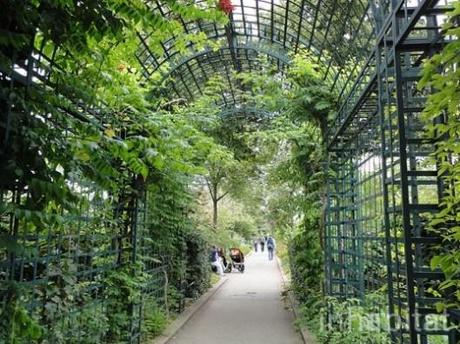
(237, 258)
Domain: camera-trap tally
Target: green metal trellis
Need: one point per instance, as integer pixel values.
(380, 193)
(382, 188)
(389, 108)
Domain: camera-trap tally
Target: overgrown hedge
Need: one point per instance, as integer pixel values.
(306, 262)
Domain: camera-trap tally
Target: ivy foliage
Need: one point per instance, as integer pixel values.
(87, 137)
(441, 115)
(349, 321)
(297, 180)
(81, 144)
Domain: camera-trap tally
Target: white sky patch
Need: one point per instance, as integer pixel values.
(250, 12)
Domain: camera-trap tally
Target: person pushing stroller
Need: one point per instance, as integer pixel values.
(237, 257)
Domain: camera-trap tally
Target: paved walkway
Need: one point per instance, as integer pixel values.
(247, 309)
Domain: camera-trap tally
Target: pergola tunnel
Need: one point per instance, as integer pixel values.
(136, 136)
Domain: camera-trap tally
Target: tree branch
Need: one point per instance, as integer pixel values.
(172, 102)
(222, 196)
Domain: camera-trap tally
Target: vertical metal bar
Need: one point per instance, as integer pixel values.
(258, 18)
(340, 234)
(328, 26)
(186, 86)
(315, 19)
(386, 215)
(272, 22)
(327, 234)
(404, 190)
(243, 18)
(286, 16)
(193, 77)
(299, 27)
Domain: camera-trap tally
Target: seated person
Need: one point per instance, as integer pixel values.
(216, 261)
(222, 257)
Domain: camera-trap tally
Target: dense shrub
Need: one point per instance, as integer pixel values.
(306, 262)
(198, 271)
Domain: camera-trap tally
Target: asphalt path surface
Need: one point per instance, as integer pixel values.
(247, 309)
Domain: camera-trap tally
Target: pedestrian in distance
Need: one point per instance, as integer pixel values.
(270, 247)
(256, 245)
(262, 244)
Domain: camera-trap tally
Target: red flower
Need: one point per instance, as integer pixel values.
(226, 6)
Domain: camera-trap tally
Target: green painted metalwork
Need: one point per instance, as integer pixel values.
(381, 190)
(375, 238)
(320, 27)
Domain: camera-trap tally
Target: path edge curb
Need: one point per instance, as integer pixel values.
(307, 336)
(185, 316)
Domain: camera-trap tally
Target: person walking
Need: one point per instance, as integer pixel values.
(270, 247)
(215, 260)
(256, 245)
(262, 244)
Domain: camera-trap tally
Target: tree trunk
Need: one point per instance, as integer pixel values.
(214, 212)
(215, 200)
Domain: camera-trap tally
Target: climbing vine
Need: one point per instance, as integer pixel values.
(80, 145)
(105, 180)
(441, 75)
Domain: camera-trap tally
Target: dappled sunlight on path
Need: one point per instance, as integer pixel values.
(248, 309)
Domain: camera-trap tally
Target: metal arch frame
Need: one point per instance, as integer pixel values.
(250, 47)
(175, 74)
(232, 110)
(282, 32)
(244, 21)
(216, 37)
